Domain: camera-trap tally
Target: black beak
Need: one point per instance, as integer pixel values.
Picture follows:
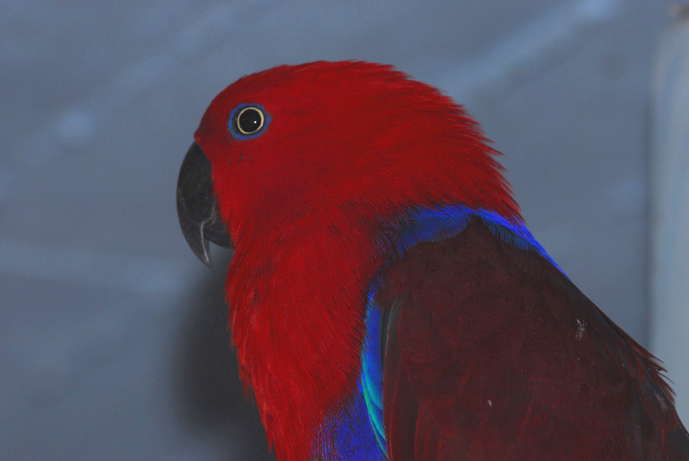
(196, 206)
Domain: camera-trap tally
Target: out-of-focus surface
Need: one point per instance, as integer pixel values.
(669, 207)
(113, 336)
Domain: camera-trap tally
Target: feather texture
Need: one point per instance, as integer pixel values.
(386, 298)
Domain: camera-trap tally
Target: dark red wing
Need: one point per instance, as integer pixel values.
(493, 354)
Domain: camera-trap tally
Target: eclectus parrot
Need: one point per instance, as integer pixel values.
(386, 299)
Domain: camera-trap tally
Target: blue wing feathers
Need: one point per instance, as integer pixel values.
(372, 374)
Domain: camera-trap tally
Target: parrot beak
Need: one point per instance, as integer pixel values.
(196, 206)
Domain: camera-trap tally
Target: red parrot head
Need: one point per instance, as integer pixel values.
(291, 140)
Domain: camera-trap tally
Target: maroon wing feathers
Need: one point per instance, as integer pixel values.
(492, 353)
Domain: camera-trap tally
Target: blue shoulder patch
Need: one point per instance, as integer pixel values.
(436, 224)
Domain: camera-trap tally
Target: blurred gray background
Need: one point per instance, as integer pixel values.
(113, 336)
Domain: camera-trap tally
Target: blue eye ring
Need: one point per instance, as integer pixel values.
(248, 121)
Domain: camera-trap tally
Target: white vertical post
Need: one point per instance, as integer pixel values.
(669, 209)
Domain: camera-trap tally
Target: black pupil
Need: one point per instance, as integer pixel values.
(249, 121)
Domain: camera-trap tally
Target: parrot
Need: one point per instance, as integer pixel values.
(386, 299)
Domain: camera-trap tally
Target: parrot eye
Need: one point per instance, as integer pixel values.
(248, 121)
